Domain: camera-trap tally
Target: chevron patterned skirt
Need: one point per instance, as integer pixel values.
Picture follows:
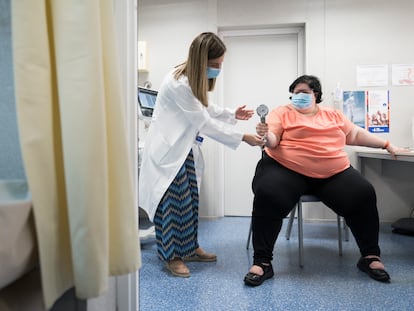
(176, 218)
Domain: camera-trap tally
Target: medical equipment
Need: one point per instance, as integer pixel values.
(146, 103)
(262, 111)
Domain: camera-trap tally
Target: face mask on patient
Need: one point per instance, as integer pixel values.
(302, 100)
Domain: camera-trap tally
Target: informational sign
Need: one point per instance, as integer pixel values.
(402, 74)
(354, 106)
(378, 111)
(372, 75)
(368, 109)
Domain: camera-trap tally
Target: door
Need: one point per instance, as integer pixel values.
(258, 68)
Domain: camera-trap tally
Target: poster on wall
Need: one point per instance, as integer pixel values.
(403, 74)
(372, 75)
(378, 111)
(354, 105)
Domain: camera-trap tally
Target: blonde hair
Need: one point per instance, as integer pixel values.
(204, 47)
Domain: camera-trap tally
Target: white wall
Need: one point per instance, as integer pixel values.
(168, 27)
(340, 34)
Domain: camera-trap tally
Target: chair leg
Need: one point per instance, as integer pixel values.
(300, 233)
(249, 236)
(290, 223)
(346, 230)
(339, 234)
(341, 226)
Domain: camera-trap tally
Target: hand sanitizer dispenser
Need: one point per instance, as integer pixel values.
(337, 97)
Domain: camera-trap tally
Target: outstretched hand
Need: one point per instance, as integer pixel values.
(253, 140)
(244, 114)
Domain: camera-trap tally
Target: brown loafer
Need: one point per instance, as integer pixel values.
(178, 268)
(202, 256)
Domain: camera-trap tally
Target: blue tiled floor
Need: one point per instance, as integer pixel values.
(327, 281)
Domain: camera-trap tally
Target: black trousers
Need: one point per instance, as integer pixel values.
(277, 189)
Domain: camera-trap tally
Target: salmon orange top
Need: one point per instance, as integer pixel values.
(310, 145)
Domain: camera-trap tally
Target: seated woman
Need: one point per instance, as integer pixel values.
(304, 153)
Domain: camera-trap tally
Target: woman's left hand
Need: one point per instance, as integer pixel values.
(244, 114)
(393, 150)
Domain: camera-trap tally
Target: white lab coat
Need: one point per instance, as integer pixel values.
(178, 118)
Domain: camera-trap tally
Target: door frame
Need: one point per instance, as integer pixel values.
(126, 19)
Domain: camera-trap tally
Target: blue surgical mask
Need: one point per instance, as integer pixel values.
(302, 100)
(212, 72)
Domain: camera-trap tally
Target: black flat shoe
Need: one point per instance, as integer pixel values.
(377, 274)
(253, 279)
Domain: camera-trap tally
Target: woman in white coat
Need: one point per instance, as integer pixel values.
(168, 189)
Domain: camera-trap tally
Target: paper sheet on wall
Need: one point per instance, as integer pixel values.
(403, 74)
(372, 75)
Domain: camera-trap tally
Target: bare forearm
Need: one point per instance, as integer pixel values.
(361, 137)
(271, 140)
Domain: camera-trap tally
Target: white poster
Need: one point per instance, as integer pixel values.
(402, 74)
(372, 75)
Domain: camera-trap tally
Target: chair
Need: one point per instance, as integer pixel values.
(307, 198)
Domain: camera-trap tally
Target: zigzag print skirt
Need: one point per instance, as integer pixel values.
(176, 218)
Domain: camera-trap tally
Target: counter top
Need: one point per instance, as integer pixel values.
(374, 153)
